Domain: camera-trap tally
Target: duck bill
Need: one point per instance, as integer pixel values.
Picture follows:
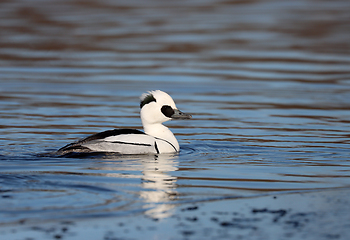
(180, 115)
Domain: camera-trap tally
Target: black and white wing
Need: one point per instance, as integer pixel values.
(123, 141)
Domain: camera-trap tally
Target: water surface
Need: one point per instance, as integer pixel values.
(267, 83)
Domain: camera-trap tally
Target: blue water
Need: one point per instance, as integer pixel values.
(267, 84)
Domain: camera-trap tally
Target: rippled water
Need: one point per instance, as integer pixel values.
(267, 83)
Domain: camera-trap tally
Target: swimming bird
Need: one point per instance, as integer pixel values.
(156, 107)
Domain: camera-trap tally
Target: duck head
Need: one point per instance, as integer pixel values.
(158, 107)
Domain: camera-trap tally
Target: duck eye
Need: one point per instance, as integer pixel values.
(167, 111)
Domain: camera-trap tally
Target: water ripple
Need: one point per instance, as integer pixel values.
(267, 84)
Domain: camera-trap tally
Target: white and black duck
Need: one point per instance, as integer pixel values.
(156, 107)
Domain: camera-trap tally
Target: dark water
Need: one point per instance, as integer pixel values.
(267, 83)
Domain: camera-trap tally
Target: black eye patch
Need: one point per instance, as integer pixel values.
(167, 111)
(148, 99)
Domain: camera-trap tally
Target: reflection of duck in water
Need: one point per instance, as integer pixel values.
(159, 186)
(157, 183)
(156, 107)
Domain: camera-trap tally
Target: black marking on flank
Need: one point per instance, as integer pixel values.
(76, 146)
(129, 143)
(156, 147)
(149, 98)
(168, 142)
(167, 111)
(109, 133)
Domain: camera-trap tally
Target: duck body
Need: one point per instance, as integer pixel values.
(156, 108)
(123, 141)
